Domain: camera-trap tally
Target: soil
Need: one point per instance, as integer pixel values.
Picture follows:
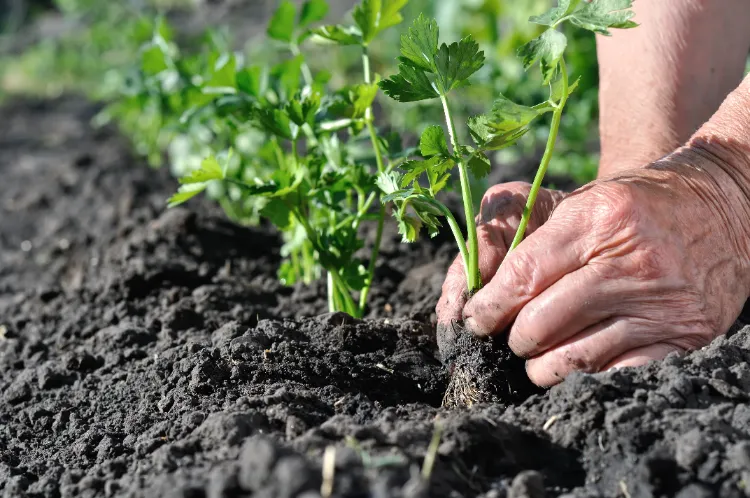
(147, 352)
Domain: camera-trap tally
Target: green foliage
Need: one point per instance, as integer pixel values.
(427, 70)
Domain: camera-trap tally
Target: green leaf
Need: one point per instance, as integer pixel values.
(420, 44)
(341, 35)
(250, 81)
(433, 142)
(223, 76)
(487, 138)
(277, 213)
(547, 49)
(508, 116)
(302, 110)
(600, 15)
(479, 165)
(313, 11)
(362, 97)
(281, 27)
(374, 16)
(153, 60)
(556, 14)
(456, 62)
(388, 183)
(410, 85)
(287, 76)
(557, 89)
(409, 227)
(597, 15)
(209, 170)
(185, 193)
(277, 123)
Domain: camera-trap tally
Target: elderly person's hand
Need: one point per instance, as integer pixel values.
(654, 256)
(624, 270)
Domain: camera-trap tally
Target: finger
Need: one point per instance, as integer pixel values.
(453, 297)
(589, 351)
(543, 258)
(498, 219)
(643, 355)
(575, 302)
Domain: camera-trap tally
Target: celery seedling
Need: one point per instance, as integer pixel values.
(430, 70)
(314, 192)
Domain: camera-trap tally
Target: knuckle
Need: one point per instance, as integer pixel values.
(615, 210)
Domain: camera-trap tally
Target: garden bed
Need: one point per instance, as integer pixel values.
(147, 352)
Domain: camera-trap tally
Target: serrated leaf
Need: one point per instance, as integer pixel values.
(479, 165)
(277, 123)
(601, 15)
(313, 11)
(433, 142)
(487, 138)
(547, 49)
(411, 84)
(388, 183)
(302, 110)
(455, 63)
(420, 44)
(210, 170)
(375, 16)
(281, 26)
(341, 35)
(556, 14)
(409, 227)
(508, 116)
(185, 193)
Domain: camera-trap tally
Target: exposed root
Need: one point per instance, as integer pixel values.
(482, 371)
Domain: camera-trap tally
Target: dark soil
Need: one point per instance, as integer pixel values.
(147, 352)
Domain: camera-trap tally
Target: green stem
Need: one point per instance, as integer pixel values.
(331, 293)
(542, 171)
(339, 285)
(306, 73)
(474, 279)
(373, 262)
(381, 169)
(457, 234)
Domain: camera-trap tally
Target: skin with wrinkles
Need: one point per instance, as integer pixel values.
(654, 256)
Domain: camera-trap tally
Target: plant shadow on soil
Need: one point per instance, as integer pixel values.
(147, 352)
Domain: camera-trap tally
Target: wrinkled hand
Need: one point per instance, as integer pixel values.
(497, 222)
(623, 271)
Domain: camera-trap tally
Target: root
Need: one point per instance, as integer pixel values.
(482, 371)
(462, 390)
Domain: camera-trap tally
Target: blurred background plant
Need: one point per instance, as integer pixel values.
(49, 47)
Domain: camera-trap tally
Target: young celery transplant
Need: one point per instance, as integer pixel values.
(430, 70)
(312, 188)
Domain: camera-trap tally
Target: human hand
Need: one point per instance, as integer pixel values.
(499, 217)
(624, 271)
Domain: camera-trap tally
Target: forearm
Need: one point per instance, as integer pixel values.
(661, 81)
